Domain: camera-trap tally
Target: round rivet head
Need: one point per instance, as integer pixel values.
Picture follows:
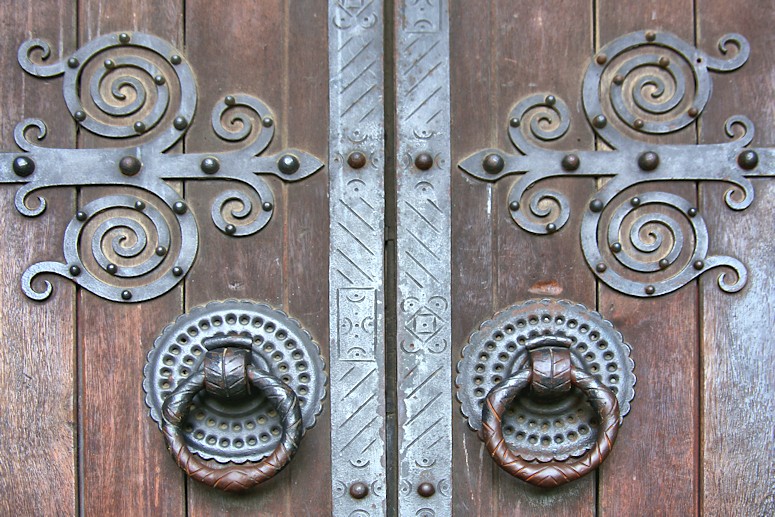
(210, 165)
(177, 271)
(267, 206)
(288, 164)
(179, 207)
(75, 270)
(139, 205)
(230, 229)
(596, 205)
(124, 38)
(73, 62)
(159, 79)
(180, 123)
(600, 268)
(426, 489)
(651, 35)
(648, 161)
(635, 201)
(692, 212)
(664, 61)
(551, 100)
(699, 264)
(423, 161)
(23, 166)
(601, 59)
(570, 162)
(79, 115)
(139, 127)
(493, 163)
(650, 289)
(176, 59)
(229, 100)
(161, 251)
(109, 64)
(356, 160)
(664, 263)
(514, 122)
(693, 112)
(551, 228)
(129, 165)
(359, 490)
(112, 269)
(638, 123)
(267, 121)
(81, 216)
(618, 80)
(600, 121)
(514, 206)
(616, 247)
(126, 294)
(748, 160)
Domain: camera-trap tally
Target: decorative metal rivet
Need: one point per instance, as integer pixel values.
(648, 161)
(73, 62)
(514, 122)
(176, 59)
(179, 207)
(23, 166)
(596, 205)
(356, 160)
(139, 127)
(81, 216)
(177, 271)
(693, 112)
(112, 269)
(288, 164)
(180, 123)
(161, 251)
(616, 247)
(493, 163)
(126, 294)
(650, 289)
(124, 38)
(600, 121)
(109, 64)
(664, 263)
(551, 228)
(267, 121)
(75, 270)
(229, 100)
(230, 229)
(618, 80)
(600, 268)
(551, 100)
(159, 79)
(570, 162)
(129, 165)
(514, 206)
(635, 201)
(424, 161)
(359, 490)
(79, 115)
(692, 212)
(210, 165)
(426, 489)
(601, 59)
(267, 206)
(139, 205)
(638, 123)
(664, 61)
(651, 36)
(748, 160)
(699, 264)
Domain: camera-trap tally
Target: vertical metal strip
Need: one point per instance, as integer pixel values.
(356, 294)
(423, 250)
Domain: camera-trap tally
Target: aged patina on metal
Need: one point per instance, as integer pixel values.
(235, 382)
(423, 249)
(643, 83)
(356, 257)
(128, 248)
(546, 383)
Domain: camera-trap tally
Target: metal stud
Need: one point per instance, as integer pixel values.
(618, 80)
(161, 251)
(596, 205)
(664, 263)
(514, 206)
(748, 160)
(229, 100)
(180, 123)
(551, 100)
(139, 127)
(159, 79)
(551, 228)
(600, 121)
(651, 36)
(664, 61)
(426, 489)
(423, 161)
(692, 212)
(288, 164)
(109, 64)
(359, 490)
(267, 121)
(177, 271)
(698, 264)
(648, 161)
(210, 165)
(23, 166)
(124, 38)
(126, 294)
(112, 269)
(635, 201)
(600, 268)
(693, 112)
(570, 162)
(601, 59)
(79, 115)
(638, 123)
(176, 59)
(650, 289)
(356, 160)
(80, 216)
(75, 270)
(514, 122)
(179, 207)
(139, 205)
(616, 247)
(230, 229)
(129, 165)
(73, 62)
(493, 163)
(267, 206)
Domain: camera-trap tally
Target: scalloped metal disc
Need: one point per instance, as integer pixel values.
(539, 430)
(245, 430)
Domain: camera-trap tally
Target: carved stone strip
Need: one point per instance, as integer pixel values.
(356, 292)
(423, 251)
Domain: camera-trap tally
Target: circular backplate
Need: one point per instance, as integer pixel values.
(248, 429)
(537, 430)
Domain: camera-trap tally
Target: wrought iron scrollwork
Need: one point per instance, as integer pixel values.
(640, 85)
(136, 86)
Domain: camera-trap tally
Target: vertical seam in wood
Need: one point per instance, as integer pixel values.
(595, 45)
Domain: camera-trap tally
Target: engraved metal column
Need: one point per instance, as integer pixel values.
(423, 251)
(356, 298)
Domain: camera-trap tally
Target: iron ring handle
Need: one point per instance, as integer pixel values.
(235, 477)
(553, 473)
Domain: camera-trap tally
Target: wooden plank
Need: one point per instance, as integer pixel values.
(37, 344)
(738, 383)
(652, 470)
(124, 460)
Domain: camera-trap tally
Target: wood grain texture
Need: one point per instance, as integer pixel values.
(37, 340)
(738, 381)
(653, 469)
(124, 463)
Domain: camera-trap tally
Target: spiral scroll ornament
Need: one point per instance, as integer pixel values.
(137, 87)
(638, 241)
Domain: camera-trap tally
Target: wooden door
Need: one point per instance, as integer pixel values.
(75, 436)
